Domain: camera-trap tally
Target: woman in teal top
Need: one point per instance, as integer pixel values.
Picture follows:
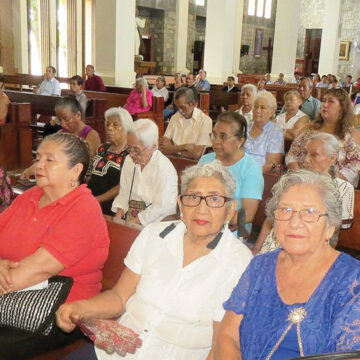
(228, 138)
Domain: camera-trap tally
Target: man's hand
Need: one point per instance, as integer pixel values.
(165, 145)
(5, 275)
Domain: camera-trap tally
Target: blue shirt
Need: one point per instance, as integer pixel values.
(333, 310)
(271, 140)
(248, 176)
(203, 85)
(49, 87)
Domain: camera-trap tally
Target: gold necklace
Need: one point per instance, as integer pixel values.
(296, 316)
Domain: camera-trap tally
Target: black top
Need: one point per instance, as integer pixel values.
(234, 89)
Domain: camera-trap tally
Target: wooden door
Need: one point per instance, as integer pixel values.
(312, 50)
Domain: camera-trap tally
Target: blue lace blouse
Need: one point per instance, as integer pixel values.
(332, 322)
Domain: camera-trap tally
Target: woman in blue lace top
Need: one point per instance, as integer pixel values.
(303, 298)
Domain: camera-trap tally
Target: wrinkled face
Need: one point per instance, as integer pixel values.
(203, 220)
(49, 73)
(261, 112)
(186, 110)
(292, 102)
(330, 108)
(316, 158)
(69, 121)
(52, 167)
(295, 236)
(140, 153)
(115, 133)
(224, 141)
(75, 87)
(247, 97)
(190, 80)
(90, 71)
(230, 81)
(159, 84)
(304, 89)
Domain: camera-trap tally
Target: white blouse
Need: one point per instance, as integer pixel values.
(156, 185)
(163, 92)
(174, 307)
(281, 120)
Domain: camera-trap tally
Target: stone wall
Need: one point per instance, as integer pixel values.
(248, 63)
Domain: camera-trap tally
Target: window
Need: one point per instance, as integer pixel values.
(88, 12)
(262, 8)
(34, 27)
(62, 58)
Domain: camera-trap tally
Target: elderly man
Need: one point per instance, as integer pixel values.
(93, 82)
(188, 131)
(49, 86)
(310, 106)
(202, 84)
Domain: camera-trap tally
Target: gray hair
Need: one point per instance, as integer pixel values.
(123, 116)
(146, 131)
(325, 186)
(309, 79)
(188, 93)
(214, 168)
(142, 81)
(269, 98)
(331, 144)
(251, 87)
(162, 79)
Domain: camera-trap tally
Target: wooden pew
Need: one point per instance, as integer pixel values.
(30, 80)
(122, 236)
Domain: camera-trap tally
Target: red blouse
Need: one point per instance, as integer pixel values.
(71, 228)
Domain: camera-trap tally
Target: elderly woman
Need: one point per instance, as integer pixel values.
(110, 157)
(293, 120)
(149, 183)
(56, 227)
(177, 274)
(302, 299)
(336, 117)
(248, 93)
(140, 99)
(265, 139)
(159, 89)
(322, 151)
(4, 102)
(228, 138)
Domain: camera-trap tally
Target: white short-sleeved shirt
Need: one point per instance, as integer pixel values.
(163, 92)
(156, 185)
(248, 116)
(174, 307)
(195, 130)
(288, 125)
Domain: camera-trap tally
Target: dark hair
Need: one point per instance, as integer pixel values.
(189, 93)
(234, 118)
(52, 68)
(70, 102)
(78, 79)
(77, 151)
(91, 66)
(349, 76)
(347, 120)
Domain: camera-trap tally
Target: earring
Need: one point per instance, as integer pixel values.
(73, 183)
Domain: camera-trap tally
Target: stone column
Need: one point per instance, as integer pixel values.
(222, 39)
(79, 40)
(330, 39)
(124, 43)
(181, 34)
(285, 38)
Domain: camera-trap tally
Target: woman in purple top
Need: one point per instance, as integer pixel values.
(140, 99)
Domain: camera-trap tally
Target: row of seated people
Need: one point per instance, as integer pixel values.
(178, 274)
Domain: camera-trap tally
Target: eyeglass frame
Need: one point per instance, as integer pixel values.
(319, 214)
(130, 149)
(200, 197)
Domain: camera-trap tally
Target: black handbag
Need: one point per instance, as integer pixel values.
(33, 311)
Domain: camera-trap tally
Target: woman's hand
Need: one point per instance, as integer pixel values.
(120, 213)
(5, 275)
(68, 315)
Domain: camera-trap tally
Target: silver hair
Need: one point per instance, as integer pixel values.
(309, 79)
(123, 116)
(331, 144)
(214, 168)
(269, 98)
(323, 184)
(146, 131)
(251, 87)
(142, 81)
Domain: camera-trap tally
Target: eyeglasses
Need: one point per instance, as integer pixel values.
(214, 201)
(221, 137)
(62, 120)
(135, 150)
(309, 215)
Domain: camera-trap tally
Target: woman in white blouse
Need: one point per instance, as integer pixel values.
(177, 275)
(159, 89)
(148, 182)
(293, 120)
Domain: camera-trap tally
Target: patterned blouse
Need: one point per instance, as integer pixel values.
(106, 173)
(348, 162)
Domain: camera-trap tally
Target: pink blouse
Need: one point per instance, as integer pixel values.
(133, 103)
